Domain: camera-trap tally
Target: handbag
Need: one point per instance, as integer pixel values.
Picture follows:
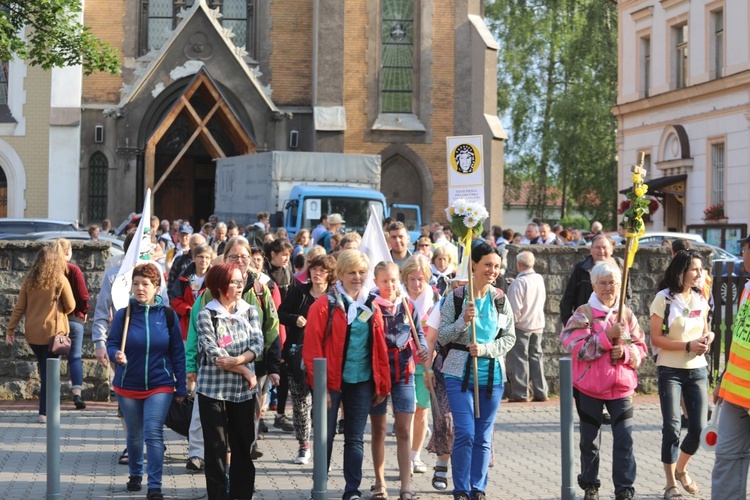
(59, 344)
(179, 415)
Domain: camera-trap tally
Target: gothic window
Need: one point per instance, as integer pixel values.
(5, 114)
(3, 194)
(98, 187)
(397, 56)
(160, 17)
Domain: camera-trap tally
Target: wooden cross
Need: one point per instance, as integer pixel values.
(638, 169)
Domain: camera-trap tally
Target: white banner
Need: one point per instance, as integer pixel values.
(374, 246)
(465, 168)
(138, 251)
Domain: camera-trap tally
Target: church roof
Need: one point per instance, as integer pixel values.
(198, 14)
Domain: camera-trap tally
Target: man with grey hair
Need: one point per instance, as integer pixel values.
(219, 238)
(547, 236)
(532, 235)
(526, 296)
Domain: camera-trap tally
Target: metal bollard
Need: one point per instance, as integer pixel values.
(320, 422)
(567, 491)
(53, 428)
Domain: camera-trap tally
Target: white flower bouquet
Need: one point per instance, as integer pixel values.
(466, 216)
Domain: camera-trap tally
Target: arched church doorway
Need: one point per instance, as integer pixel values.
(401, 182)
(179, 155)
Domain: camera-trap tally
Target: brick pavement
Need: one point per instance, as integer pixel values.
(527, 458)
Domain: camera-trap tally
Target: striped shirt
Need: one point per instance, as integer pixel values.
(232, 335)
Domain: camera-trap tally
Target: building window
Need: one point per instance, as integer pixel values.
(397, 56)
(680, 63)
(3, 83)
(717, 173)
(645, 65)
(646, 163)
(717, 43)
(98, 187)
(162, 16)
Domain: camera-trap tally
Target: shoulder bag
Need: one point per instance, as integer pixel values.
(59, 344)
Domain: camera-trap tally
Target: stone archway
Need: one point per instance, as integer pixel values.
(15, 176)
(405, 178)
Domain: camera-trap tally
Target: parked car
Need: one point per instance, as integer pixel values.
(659, 237)
(116, 245)
(718, 254)
(26, 226)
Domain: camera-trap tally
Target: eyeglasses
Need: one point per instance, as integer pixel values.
(237, 283)
(235, 258)
(607, 284)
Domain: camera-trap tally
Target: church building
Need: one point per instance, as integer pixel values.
(206, 79)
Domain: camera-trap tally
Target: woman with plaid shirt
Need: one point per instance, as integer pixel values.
(229, 339)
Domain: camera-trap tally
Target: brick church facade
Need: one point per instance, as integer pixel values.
(203, 79)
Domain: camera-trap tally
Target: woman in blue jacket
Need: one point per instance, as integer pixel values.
(150, 371)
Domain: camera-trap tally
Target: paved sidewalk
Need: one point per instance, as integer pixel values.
(527, 458)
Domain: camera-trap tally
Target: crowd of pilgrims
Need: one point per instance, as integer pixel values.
(249, 310)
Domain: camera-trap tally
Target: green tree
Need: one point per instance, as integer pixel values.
(557, 80)
(47, 33)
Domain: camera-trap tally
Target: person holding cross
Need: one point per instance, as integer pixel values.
(495, 336)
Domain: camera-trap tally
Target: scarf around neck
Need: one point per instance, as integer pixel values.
(595, 303)
(354, 305)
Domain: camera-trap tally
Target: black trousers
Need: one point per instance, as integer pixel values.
(228, 423)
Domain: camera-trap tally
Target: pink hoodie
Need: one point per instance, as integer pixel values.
(587, 342)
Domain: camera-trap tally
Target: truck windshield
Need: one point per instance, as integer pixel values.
(355, 211)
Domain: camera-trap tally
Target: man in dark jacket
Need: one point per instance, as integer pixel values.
(579, 290)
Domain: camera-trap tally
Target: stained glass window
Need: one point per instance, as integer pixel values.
(397, 56)
(3, 82)
(98, 187)
(161, 19)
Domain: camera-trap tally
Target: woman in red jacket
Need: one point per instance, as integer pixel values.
(358, 368)
(190, 284)
(76, 319)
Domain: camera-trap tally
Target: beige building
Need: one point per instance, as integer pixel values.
(387, 77)
(39, 141)
(684, 78)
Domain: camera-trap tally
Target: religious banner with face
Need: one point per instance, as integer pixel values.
(465, 168)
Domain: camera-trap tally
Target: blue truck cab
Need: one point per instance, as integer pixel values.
(306, 203)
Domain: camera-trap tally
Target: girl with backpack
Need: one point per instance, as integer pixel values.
(402, 352)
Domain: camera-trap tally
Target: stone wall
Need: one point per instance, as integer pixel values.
(556, 263)
(19, 378)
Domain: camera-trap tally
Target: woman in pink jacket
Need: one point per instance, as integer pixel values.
(604, 374)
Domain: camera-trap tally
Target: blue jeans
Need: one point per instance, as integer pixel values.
(472, 444)
(42, 353)
(145, 419)
(357, 402)
(692, 385)
(75, 365)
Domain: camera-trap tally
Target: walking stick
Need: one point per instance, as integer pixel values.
(125, 329)
(470, 286)
(414, 335)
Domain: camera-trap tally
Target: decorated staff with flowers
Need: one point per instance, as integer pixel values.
(635, 228)
(476, 323)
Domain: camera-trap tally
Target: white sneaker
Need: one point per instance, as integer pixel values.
(303, 456)
(418, 467)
